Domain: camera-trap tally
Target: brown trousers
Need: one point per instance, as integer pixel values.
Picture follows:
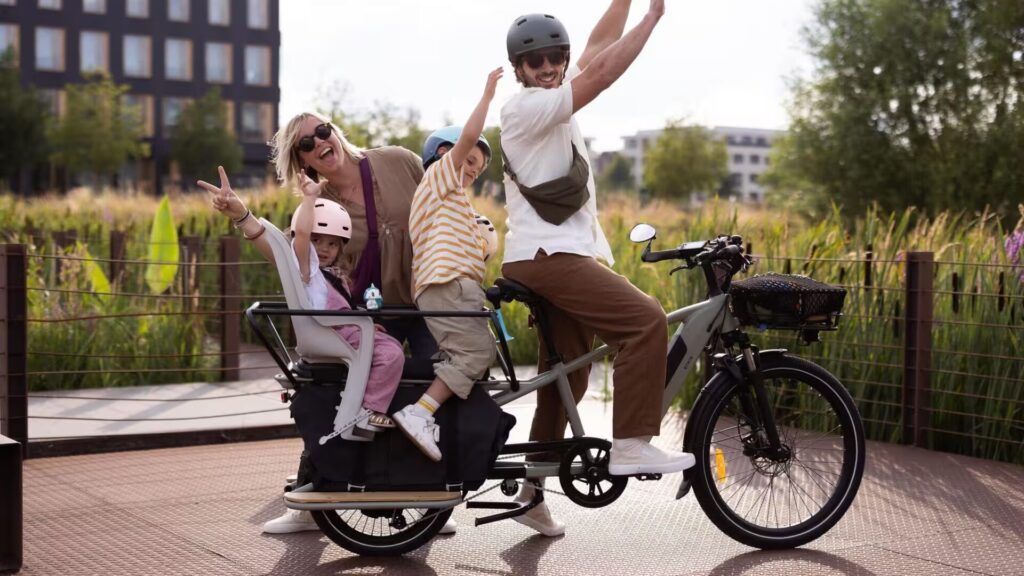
(588, 299)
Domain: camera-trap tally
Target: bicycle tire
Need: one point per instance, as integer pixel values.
(346, 528)
(719, 419)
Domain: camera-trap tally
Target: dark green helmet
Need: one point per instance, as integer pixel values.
(533, 32)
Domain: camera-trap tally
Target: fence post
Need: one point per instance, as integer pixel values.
(231, 317)
(917, 348)
(117, 244)
(13, 335)
(11, 508)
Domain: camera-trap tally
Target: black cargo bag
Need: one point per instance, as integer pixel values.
(473, 432)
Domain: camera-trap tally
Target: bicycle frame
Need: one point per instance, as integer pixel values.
(698, 323)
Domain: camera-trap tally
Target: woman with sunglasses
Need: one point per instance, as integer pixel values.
(376, 187)
(379, 182)
(548, 241)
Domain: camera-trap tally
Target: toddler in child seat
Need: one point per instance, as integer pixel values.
(317, 253)
(450, 244)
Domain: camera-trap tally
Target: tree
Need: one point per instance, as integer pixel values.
(201, 140)
(99, 132)
(617, 174)
(685, 159)
(23, 118)
(385, 124)
(912, 103)
(495, 170)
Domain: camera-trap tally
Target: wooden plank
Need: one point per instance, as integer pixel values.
(349, 497)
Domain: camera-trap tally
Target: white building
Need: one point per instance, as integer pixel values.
(748, 149)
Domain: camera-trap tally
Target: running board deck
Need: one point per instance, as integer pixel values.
(308, 500)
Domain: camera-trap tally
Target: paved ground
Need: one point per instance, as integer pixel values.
(198, 511)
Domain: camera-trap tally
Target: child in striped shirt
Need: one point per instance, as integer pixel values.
(449, 251)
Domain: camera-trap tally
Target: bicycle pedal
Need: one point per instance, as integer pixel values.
(647, 477)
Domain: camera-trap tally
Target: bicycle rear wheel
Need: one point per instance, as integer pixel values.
(778, 501)
(381, 532)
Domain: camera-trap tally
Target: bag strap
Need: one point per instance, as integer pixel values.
(371, 206)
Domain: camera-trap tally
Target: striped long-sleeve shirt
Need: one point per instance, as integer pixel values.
(446, 243)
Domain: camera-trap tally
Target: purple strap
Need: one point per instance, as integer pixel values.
(368, 268)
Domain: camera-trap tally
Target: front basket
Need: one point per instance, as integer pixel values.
(786, 301)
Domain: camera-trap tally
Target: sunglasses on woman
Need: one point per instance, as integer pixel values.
(536, 59)
(307, 143)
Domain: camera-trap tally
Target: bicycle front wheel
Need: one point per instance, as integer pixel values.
(775, 501)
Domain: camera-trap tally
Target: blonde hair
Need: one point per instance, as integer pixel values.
(285, 156)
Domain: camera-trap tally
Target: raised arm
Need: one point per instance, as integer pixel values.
(609, 65)
(475, 124)
(228, 203)
(607, 30)
(303, 228)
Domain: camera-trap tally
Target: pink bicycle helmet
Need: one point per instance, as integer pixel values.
(330, 218)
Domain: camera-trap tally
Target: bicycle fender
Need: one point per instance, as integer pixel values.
(688, 434)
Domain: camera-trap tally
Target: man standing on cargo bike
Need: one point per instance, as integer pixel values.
(555, 239)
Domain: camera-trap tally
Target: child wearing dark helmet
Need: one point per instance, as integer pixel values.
(450, 245)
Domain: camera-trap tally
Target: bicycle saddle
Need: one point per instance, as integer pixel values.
(509, 290)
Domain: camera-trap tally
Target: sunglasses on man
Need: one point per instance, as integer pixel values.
(536, 59)
(307, 143)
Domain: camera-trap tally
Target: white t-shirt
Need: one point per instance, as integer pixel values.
(537, 133)
(316, 288)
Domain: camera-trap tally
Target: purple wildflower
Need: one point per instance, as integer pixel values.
(1013, 247)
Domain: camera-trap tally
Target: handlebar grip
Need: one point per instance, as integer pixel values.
(661, 255)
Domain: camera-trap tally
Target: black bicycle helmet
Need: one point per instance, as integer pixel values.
(533, 32)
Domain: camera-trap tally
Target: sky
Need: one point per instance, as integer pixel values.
(717, 63)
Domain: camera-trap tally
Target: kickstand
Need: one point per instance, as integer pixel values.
(514, 508)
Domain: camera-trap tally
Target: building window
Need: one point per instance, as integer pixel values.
(137, 56)
(94, 6)
(93, 51)
(755, 159)
(258, 14)
(138, 8)
(762, 141)
(755, 197)
(257, 65)
(257, 121)
(8, 2)
(753, 178)
(218, 63)
(747, 140)
(737, 158)
(50, 49)
(219, 12)
(50, 4)
(54, 100)
(8, 38)
(178, 59)
(766, 162)
(171, 112)
(144, 104)
(177, 10)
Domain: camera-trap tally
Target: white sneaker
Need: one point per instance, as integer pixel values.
(291, 521)
(421, 429)
(638, 456)
(449, 527)
(539, 517)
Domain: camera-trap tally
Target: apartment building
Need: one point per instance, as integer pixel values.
(749, 154)
(168, 52)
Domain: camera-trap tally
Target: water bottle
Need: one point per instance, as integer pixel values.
(373, 298)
